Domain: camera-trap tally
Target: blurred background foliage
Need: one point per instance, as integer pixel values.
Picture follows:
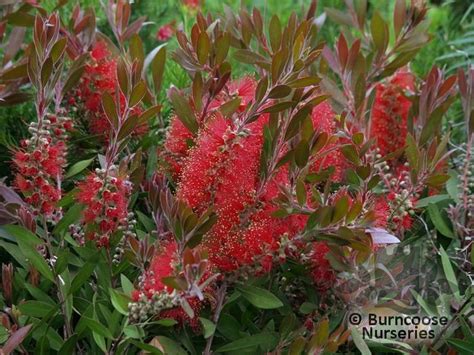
(451, 47)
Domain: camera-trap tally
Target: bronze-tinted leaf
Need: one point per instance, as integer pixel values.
(350, 153)
(203, 47)
(230, 107)
(157, 68)
(302, 153)
(304, 82)
(399, 16)
(138, 92)
(222, 48)
(380, 33)
(183, 110)
(281, 106)
(15, 73)
(110, 109)
(247, 56)
(122, 76)
(46, 71)
(136, 48)
(279, 91)
(261, 89)
(275, 33)
(58, 49)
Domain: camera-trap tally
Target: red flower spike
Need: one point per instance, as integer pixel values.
(390, 112)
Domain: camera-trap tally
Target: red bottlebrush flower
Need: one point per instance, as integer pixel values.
(176, 146)
(382, 212)
(106, 201)
(165, 32)
(322, 273)
(222, 170)
(161, 266)
(40, 163)
(180, 315)
(179, 138)
(193, 4)
(100, 75)
(323, 120)
(390, 112)
(165, 300)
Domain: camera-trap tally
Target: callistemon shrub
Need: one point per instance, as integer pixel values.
(251, 196)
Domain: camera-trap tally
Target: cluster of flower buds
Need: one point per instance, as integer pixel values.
(144, 307)
(40, 164)
(105, 198)
(466, 183)
(400, 198)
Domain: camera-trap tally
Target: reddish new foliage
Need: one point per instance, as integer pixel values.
(105, 201)
(100, 76)
(390, 112)
(40, 163)
(323, 118)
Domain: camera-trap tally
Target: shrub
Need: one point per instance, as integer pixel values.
(262, 214)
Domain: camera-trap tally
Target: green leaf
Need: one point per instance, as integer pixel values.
(260, 297)
(36, 309)
(100, 341)
(119, 301)
(127, 285)
(440, 224)
(209, 327)
(449, 273)
(82, 276)
(359, 342)
(452, 186)
(307, 307)
(71, 216)
(183, 110)
(464, 347)
(69, 345)
(133, 331)
(78, 167)
(266, 340)
(96, 327)
(421, 301)
(147, 347)
(171, 347)
(27, 243)
(15, 252)
(423, 202)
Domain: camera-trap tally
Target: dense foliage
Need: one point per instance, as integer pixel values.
(241, 182)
